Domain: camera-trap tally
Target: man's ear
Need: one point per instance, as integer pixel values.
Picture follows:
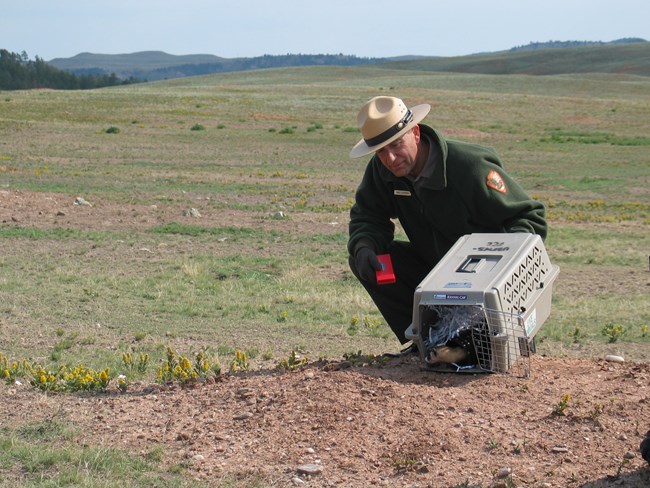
(416, 133)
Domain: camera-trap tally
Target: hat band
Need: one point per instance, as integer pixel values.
(390, 132)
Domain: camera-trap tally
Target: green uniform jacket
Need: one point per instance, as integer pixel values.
(468, 193)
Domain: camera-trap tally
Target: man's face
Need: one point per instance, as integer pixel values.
(399, 157)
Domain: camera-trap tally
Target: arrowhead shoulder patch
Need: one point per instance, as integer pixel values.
(495, 182)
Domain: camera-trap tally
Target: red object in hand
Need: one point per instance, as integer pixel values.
(385, 275)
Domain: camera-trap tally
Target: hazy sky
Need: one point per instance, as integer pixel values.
(373, 28)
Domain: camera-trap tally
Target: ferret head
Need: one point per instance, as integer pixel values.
(446, 354)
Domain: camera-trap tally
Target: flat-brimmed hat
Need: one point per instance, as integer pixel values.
(384, 119)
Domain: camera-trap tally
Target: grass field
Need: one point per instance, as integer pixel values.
(263, 157)
(260, 265)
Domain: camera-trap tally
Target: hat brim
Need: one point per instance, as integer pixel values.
(361, 148)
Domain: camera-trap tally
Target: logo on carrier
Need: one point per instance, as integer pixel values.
(447, 296)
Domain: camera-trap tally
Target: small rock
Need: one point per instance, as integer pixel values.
(191, 212)
(82, 201)
(243, 416)
(310, 469)
(298, 481)
(60, 213)
(310, 450)
(560, 449)
(245, 392)
(614, 359)
(198, 457)
(279, 215)
(629, 455)
(503, 473)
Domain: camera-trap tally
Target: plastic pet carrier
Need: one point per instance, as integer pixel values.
(479, 309)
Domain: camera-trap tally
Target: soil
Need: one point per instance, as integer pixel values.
(352, 423)
(344, 424)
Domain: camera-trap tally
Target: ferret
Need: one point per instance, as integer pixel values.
(446, 354)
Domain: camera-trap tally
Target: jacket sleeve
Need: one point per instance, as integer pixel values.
(370, 216)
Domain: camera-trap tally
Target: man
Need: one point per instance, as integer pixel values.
(438, 189)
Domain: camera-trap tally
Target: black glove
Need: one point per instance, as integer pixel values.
(367, 264)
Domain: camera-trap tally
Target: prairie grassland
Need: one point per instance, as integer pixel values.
(264, 268)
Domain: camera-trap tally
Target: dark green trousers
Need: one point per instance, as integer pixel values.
(395, 300)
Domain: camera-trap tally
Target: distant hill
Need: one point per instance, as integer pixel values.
(158, 65)
(629, 58)
(125, 63)
(629, 55)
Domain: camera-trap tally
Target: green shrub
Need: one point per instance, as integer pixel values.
(613, 332)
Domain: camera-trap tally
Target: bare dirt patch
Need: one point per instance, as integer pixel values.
(395, 425)
(52, 210)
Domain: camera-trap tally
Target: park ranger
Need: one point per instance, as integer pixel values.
(438, 189)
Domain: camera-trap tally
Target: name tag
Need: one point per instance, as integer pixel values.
(402, 193)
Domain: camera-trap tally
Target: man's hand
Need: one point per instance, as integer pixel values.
(367, 264)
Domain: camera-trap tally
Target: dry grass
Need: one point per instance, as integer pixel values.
(273, 205)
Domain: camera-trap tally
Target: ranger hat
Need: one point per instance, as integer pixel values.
(383, 120)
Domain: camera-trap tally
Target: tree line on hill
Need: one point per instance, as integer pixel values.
(562, 44)
(18, 72)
